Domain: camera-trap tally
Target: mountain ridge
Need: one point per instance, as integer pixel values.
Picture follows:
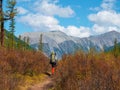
(63, 44)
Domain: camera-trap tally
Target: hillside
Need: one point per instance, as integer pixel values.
(18, 43)
(64, 44)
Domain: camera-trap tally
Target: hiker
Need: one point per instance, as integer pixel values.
(53, 61)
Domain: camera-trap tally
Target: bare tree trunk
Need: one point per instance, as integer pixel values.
(2, 33)
(1, 24)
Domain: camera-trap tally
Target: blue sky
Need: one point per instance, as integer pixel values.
(80, 18)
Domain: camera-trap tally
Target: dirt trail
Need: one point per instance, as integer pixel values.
(45, 85)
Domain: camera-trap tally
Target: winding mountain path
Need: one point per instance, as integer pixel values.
(45, 85)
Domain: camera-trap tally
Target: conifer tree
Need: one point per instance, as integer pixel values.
(24, 44)
(11, 5)
(19, 44)
(28, 40)
(40, 46)
(12, 32)
(116, 48)
(9, 14)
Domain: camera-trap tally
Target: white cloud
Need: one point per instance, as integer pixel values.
(47, 8)
(102, 29)
(39, 22)
(98, 29)
(47, 23)
(44, 20)
(79, 32)
(108, 4)
(106, 19)
(22, 10)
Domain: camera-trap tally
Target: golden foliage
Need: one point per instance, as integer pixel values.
(90, 71)
(14, 63)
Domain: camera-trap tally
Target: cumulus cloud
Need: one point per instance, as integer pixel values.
(47, 23)
(44, 11)
(79, 32)
(98, 29)
(39, 22)
(108, 4)
(47, 7)
(43, 18)
(106, 19)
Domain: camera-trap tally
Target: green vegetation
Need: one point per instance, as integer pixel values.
(115, 50)
(17, 42)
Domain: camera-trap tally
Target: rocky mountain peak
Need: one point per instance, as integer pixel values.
(64, 44)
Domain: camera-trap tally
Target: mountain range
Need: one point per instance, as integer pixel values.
(63, 44)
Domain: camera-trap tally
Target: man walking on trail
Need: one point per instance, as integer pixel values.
(53, 61)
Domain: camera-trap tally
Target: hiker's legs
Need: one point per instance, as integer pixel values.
(53, 70)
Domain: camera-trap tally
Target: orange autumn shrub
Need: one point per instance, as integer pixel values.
(90, 71)
(14, 63)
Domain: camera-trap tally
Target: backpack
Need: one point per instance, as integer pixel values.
(52, 58)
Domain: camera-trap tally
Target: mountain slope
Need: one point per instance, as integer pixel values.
(64, 44)
(16, 41)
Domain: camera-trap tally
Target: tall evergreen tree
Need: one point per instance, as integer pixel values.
(40, 46)
(19, 44)
(6, 16)
(24, 44)
(28, 40)
(12, 10)
(12, 23)
(116, 48)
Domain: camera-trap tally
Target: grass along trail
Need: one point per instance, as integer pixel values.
(47, 84)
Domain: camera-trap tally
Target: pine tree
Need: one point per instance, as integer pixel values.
(11, 5)
(116, 48)
(19, 44)
(12, 32)
(10, 13)
(28, 42)
(24, 44)
(40, 46)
